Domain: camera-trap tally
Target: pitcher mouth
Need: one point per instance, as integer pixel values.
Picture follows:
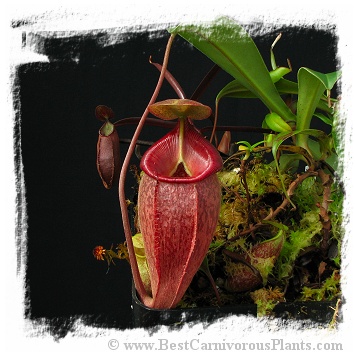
(183, 155)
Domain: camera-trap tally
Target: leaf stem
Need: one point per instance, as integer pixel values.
(171, 79)
(145, 297)
(205, 82)
(291, 189)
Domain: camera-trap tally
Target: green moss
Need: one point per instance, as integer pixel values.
(232, 215)
(336, 215)
(306, 230)
(264, 178)
(308, 194)
(261, 178)
(265, 266)
(329, 290)
(245, 205)
(300, 237)
(229, 178)
(266, 299)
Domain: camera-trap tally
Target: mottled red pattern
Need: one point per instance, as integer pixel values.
(177, 222)
(108, 158)
(268, 248)
(243, 278)
(178, 207)
(199, 156)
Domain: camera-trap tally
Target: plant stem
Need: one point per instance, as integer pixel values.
(146, 299)
(243, 175)
(171, 79)
(150, 121)
(323, 209)
(244, 129)
(205, 82)
(291, 189)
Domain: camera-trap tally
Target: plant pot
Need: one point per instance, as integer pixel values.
(318, 312)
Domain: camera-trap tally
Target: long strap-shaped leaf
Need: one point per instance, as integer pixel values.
(311, 86)
(235, 90)
(228, 45)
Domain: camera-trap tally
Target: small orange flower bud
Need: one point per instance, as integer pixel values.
(99, 252)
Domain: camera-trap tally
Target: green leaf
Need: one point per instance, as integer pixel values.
(325, 119)
(245, 143)
(311, 86)
(317, 148)
(325, 147)
(285, 86)
(290, 162)
(277, 73)
(325, 142)
(276, 123)
(323, 105)
(236, 90)
(229, 46)
(249, 146)
(328, 79)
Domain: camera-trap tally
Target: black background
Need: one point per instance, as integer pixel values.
(69, 211)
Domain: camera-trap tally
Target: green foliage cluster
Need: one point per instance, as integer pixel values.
(329, 290)
(262, 183)
(306, 231)
(247, 200)
(262, 198)
(266, 299)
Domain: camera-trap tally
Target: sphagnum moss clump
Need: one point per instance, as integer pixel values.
(246, 220)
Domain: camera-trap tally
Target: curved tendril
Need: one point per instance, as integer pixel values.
(205, 82)
(214, 123)
(148, 121)
(171, 79)
(147, 300)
